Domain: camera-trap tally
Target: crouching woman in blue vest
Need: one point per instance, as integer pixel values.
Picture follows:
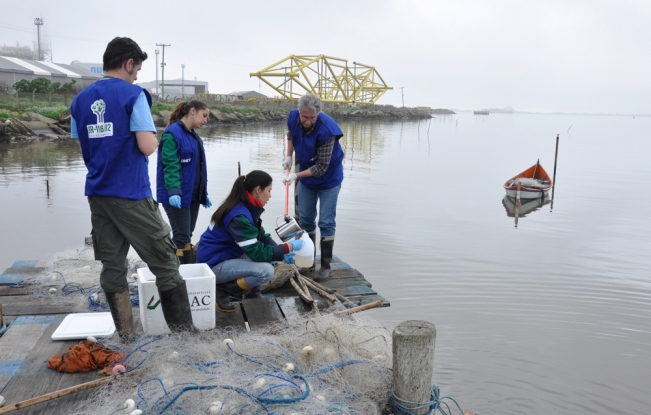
(235, 244)
(181, 176)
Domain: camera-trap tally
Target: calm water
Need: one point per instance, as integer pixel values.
(551, 316)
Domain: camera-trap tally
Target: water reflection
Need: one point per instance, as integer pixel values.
(37, 158)
(517, 212)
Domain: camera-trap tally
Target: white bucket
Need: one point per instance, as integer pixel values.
(200, 282)
(304, 257)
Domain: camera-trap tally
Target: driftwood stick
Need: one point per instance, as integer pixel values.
(318, 290)
(344, 300)
(58, 394)
(339, 297)
(300, 292)
(374, 304)
(301, 281)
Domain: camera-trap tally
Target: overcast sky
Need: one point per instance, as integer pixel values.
(554, 55)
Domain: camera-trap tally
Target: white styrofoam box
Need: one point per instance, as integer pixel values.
(82, 325)
(200, 281)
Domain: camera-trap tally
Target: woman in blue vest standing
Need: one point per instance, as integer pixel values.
(314, 137)
(236, 246)
(181, 177)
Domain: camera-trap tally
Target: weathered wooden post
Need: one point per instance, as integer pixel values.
(413, 362)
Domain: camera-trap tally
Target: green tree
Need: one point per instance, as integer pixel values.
(22, 86)
(41, 85)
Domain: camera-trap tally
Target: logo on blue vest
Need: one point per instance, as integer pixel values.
(101, 129)
(186, 160)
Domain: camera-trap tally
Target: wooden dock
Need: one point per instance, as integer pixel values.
(26, 346)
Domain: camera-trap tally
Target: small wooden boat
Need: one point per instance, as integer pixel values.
(532, 183)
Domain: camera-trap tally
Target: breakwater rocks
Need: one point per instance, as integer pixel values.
(33, 126)
(248, 115)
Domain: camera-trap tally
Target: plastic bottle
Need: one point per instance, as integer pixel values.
(304, 257)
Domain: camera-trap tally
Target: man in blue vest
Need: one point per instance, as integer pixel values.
(314, 137)
(112, 120)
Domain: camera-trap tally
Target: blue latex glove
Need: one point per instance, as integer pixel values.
(208, 203)
(175, 201)
(296, 245)
(289, 258)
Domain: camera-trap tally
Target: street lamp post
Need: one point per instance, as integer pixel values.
(157, 52)
(183, 80)
(162, 65)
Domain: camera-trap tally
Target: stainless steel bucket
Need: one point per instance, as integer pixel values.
(289, 229)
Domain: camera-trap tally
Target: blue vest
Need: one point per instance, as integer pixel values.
(188, 152)
(116, 166)
(305, 148)
(216, 244)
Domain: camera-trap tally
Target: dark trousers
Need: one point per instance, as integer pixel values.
(182, 221)
(119, 223)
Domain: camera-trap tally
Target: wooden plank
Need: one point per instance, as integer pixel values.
(230, 320)
(28, 263)
(34, 378)
(260, 312)
(30, 305)
(64, 404)
(356, 290)
(15, 345)
(9, 290)
(23, 270)
(366, 299)
(290, 308)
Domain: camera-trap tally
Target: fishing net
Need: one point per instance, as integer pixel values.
(316, 365)
(320, 365)
(71, 278)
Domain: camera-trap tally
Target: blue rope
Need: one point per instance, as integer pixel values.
(436, 402)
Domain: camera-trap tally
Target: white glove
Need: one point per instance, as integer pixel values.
(287, 164)
(290, 179)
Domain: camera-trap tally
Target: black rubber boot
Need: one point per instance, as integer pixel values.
(326, 257)
(120, 306)
(254, 292)
(304, 271)
(224, 292)
(189, 255)
(176, 309)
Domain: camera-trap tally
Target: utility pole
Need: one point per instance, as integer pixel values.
(162, 66)
(157, 52)
(402, 88)
(39, 22)
(183, 80)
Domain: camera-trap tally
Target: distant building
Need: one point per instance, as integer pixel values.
(13, 70)
(247, 94)
(97, 68)
(176, 88)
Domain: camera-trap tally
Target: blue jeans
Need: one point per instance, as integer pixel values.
(254, 273)
(327, 199)
(182, 222)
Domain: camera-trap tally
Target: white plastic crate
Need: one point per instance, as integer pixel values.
(200, 281)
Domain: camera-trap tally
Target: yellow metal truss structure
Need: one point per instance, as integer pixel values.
(329, 78)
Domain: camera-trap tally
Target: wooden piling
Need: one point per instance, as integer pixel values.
(413, 363)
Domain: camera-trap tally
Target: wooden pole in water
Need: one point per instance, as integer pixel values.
(413, 362)
(555, 158)
(554, 177)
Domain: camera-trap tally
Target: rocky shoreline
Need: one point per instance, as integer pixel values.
(31, 126)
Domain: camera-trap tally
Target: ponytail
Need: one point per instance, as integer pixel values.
(183, 108)
(242, 184)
